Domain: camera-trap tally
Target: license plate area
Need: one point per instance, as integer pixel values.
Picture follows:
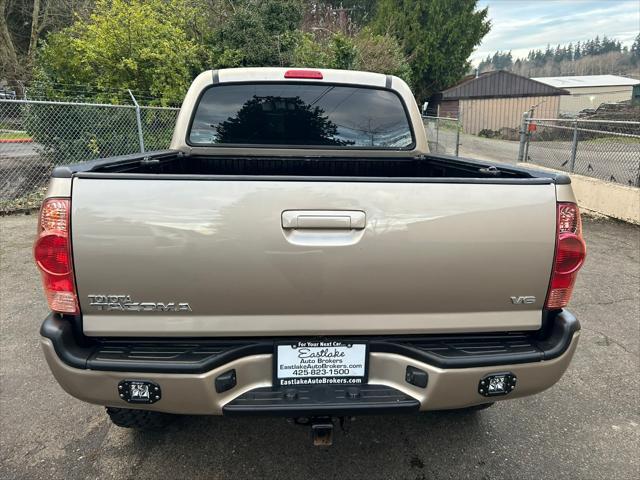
(320, 362)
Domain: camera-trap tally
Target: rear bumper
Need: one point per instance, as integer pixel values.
(186, 372)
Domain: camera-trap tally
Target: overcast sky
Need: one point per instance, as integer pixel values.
(522, 25)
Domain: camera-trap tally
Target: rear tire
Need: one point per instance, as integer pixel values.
(139, 419)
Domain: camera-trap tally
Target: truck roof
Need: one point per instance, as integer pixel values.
(329, 75)
(274, 74)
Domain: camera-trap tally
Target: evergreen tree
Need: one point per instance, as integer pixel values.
(635, 48)
(555, 61)
(437, 36)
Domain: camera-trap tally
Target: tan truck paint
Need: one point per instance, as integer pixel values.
(432, 257)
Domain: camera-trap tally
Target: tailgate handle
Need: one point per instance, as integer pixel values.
(324, 219)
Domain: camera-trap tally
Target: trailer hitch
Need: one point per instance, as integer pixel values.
(322, 432)
(322, 428)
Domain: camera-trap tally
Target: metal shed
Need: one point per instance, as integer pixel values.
(590, 91)
(497, 100)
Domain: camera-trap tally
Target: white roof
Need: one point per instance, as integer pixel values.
(587, 81)
(257, 74)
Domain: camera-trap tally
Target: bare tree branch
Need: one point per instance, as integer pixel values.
(35, 19)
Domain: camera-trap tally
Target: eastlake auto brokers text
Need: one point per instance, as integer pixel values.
(323, 363)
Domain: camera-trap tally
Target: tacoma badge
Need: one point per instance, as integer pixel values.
(125, 304)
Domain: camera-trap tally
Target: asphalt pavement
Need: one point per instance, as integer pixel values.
(586, 426)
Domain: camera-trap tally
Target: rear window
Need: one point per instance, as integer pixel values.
(286, 114)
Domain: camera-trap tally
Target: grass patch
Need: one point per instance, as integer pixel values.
(30, 201)
(13, 135)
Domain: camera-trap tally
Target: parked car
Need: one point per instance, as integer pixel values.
(6, 94)
(299, 252)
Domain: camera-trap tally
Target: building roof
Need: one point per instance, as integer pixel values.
(587, 81)
(499, 84)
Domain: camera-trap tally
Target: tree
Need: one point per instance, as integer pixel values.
(597, 48)
(126, 44)
(635, 48)
(569, 52)
(592, 57)
(437, 36)
(258, 33)
(23, 23)
(499, 61)
(365, 51)
(380, 53)
(360, 11)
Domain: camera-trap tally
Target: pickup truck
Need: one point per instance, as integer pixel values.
(299, 252)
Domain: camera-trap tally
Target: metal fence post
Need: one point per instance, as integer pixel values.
(523, 137)
(458, 127)
(437, 134)
(574, 147)
(138, 121)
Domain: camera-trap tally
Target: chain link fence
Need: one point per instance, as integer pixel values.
(35, 136)
(604, 149)
(443, 134)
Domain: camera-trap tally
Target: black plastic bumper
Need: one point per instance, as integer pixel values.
(198, 355)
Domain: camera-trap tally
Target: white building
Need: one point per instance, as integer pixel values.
(590, 91)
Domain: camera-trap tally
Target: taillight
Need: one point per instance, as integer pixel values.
(570, 254)
(52, 253)
(311, 74)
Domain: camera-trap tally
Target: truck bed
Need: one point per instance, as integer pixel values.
(421, 168)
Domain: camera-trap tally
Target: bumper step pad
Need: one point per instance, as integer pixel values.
(316, 400)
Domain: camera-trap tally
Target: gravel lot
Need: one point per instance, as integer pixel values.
(587, 426)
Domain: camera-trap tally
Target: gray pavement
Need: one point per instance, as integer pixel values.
(22, 169)
(473, 146)
(587, 426)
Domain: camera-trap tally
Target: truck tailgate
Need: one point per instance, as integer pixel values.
(432, 257)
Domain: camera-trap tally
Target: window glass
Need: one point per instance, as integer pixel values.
(285, 114)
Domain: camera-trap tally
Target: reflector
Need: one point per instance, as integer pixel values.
(570, 254)
(52, 254)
